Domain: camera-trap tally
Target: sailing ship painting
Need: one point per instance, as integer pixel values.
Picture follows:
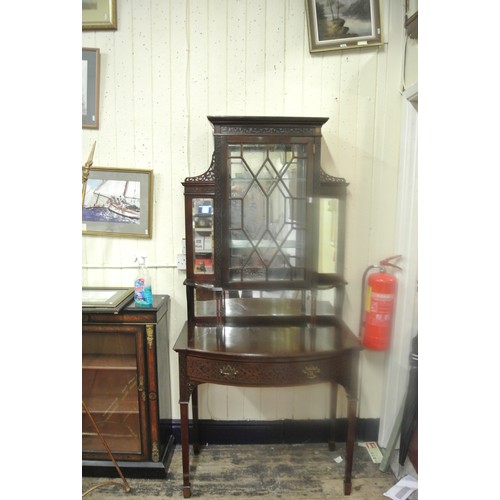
(111, 200)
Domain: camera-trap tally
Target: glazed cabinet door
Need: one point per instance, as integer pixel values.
(269, 212)
(114, 389)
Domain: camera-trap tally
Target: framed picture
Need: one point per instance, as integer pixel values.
(118, 202)
(337, 25)
(105, 299)
(90, 87)
(99, 15)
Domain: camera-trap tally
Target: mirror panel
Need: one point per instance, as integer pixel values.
(328, 235)
(203, 237)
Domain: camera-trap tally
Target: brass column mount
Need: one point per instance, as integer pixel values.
(150, 335)
(155, 452)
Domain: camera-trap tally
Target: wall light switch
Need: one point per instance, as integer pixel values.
(181, 262)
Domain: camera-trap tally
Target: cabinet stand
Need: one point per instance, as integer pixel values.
(338, 366)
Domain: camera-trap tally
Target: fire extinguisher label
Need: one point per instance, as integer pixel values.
(381, 307)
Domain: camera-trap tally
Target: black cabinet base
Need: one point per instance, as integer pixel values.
(142, 470)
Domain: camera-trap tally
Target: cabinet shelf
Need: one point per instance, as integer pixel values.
(118, 442)
(102, 406)
(122, 434)
(272, 308)
(109, 391)
(109, 362)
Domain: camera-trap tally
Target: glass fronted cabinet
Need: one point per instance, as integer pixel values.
(112, 382)
(265, 224)
(123, 386)
(265, 236)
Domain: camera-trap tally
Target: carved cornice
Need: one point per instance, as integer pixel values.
(330, 179)
(208, 176)
(266, 130)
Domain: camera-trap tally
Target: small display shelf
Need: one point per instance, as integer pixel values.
(120, 388)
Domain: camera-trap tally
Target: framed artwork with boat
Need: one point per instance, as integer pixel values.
(335, 25)
(118, 202)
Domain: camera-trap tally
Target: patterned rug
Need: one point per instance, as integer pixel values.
(304, 471)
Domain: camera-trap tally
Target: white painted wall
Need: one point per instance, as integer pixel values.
(168, 66)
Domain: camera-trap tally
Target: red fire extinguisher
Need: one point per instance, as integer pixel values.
(377, 305)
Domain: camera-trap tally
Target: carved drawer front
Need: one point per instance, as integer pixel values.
(258, 373)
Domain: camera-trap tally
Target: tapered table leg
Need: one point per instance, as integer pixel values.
(333, 415)
(196, 430)
(351, 431)
(186, 485)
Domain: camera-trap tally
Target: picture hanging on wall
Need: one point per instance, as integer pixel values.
(90, 87)
(337, 25)
(118, 202)
(99, 15)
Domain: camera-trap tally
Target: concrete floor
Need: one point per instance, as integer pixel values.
(292, 472)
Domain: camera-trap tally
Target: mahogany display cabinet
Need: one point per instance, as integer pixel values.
(122, 382)
(265, 239)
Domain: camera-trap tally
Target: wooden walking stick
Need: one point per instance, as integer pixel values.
(125, 485)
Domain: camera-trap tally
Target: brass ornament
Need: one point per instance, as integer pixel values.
(228, 371)
(150, 335)
(311, 371)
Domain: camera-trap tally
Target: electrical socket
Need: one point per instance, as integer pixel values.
(181, 262)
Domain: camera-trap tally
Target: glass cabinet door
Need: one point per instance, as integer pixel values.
(268, 212)
(203, 238)
(112, 385)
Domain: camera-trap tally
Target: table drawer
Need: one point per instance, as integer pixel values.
(264, 373)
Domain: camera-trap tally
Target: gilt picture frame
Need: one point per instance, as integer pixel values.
(99, 15)
(105, 299)
(118, 202)
(90, 87)
(346, 24)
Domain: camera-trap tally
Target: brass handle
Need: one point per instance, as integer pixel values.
(311, 372)
(140, 388)
(228, 371)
